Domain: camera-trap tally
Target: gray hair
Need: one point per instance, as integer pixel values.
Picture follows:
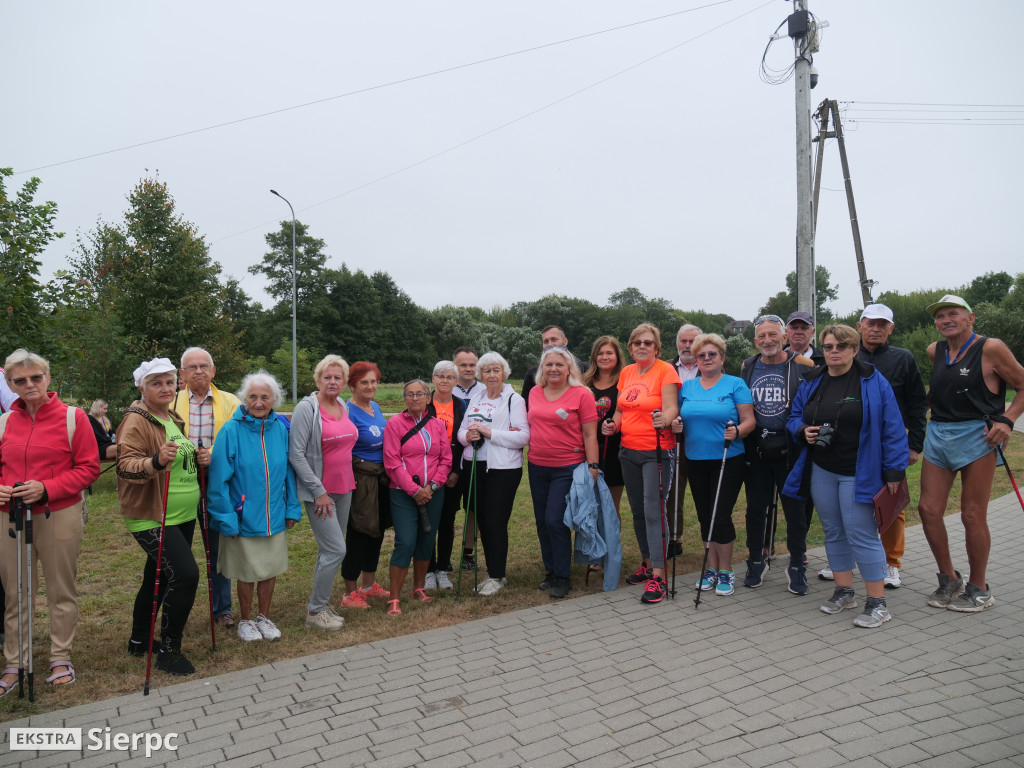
(688, 327)
(410, 382)
(573, 374)
(492, 358)
(261, 378)
(20, 358)
(192, 350)
(445, 366)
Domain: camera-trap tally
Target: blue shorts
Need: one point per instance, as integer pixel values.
(953, 445)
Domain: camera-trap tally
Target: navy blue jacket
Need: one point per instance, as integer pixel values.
(883, 454)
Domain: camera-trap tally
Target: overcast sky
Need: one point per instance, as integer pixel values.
(676, 175)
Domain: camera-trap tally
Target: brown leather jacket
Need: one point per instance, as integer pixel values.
(139, 437)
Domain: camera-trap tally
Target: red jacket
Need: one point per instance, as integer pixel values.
(37, 449)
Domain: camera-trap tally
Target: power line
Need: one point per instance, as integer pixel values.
(368, 89)
(503, 125)
(927, 104)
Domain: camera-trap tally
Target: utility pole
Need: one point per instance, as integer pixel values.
(803, 36)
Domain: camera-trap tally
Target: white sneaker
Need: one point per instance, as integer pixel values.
(892, 578)
(326, 619)
(825, 574)
(430, 582)
(490, 586)
(267, 628)
(248, 632)
(443, 582)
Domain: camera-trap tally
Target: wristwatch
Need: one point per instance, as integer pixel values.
(434, 486)
(595, 465)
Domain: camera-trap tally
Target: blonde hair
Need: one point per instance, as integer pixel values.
(22, 358)
(843, 333)
(709, 338)
(326, 363)
(572, 375)
(647, 328)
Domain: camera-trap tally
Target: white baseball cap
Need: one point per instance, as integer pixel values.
(876, 312)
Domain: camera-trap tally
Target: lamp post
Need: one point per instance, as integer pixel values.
(295, 359)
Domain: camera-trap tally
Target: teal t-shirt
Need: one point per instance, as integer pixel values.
(705, 412)
(183, 490)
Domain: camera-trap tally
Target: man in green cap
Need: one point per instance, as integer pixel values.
(969, 420)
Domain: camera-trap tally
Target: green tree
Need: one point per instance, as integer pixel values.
(784, 303)
(279, 365)
(1005, 320)
(26, 228)
(990, 288)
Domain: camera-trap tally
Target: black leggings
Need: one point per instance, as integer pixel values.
(362, 552)
(496, 494)
(179, 578)
(703, 476)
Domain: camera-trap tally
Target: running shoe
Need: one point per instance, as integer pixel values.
(248, 632)
(267, 628)
(443, 582)
(375, 590)
(797, 579)
(892, 578)
(825, 574)
(726, 583)
(841, 599)
(948, 589)
(641, 575)
(490, 586)
(431, 581)
(875, 613)
(756, 570)
(354, 600)
(560, 587)
(710, 580)
(325, 620)
(468, 563)
(549, 580)
(972, 599)
(654, 590)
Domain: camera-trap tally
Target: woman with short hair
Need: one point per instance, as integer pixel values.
(450, 410)
(494, 433)
(52, 467)
(252, 501)
(320, 452)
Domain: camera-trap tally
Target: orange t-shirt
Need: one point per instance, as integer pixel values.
(639, 396)
(446, 413)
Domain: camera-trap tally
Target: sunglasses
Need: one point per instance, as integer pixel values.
(840, 347)
(707, 355)
(643, 343)
(36, 378)
(769, 319)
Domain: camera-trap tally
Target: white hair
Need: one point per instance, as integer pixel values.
(191, 350)
(688, 327)
(492, 358)
(22, 357)
(261, 378)
(444, 366)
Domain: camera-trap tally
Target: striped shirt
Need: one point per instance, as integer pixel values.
(200, 419)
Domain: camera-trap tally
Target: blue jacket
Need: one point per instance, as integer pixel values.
(596, 524)
(883, 454)
(250, 462)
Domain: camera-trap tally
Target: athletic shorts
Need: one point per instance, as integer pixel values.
(953, 445)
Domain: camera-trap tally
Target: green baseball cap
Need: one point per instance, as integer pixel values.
(949, 300)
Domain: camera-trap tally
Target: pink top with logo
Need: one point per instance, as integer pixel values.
(339, 435)
(556, 426)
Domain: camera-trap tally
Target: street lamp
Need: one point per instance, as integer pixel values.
(295, 359)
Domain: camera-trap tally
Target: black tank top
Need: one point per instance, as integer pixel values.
(958, 391)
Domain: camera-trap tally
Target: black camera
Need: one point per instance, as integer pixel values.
(825, 433)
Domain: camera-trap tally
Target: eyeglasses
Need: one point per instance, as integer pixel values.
(36, 378)
(416, 395)
(769, 319)
(707, 355)
(194, 368)
(839, 347)
(446, 378)
(643, 343)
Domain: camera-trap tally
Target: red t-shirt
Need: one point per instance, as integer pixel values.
(556, 426)
(639, 396)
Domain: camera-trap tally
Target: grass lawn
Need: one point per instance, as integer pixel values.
(110, 569)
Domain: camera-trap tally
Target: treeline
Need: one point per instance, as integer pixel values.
(146, 286)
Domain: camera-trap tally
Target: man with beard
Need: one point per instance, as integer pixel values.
(685, 362)
(773, 376)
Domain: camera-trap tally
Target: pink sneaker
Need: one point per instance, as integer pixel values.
(354, 600)
(375, 590)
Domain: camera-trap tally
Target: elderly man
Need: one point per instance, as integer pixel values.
(773, 376)
(800, 332)
(205, 409)
(685, 362)
(899, 368)
(552, 336)
(970, 419)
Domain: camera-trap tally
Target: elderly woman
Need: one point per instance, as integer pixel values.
(417, 458)
(493, 434)
(846, 415)
(606, 361)
(450, 410)
(47, 458)
(716, 411)
(252, 501)
(646, 407)
(103, 430)
(158, 490)
(371, 504)
(320, 452)
(563, 434)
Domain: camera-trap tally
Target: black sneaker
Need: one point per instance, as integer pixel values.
(560, 587)
(138, 647)
(641, 575)
(174, 663)
(549, 579)
(756, 569)
(797, 579)
(654, 590)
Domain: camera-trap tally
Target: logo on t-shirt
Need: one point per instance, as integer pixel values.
(375, 430)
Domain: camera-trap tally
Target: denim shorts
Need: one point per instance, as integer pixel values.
(953, 445)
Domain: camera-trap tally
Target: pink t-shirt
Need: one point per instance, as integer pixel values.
(339, 435)
(556, 426)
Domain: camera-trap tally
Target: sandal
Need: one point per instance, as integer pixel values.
(52, 679)
(393, 609)
(421, 595)
(591, 569)
(6, 688)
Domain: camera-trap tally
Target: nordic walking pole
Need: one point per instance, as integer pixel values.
(156, 583)
(28, 590)
(677, 547)
(465, 525)
(17, 517)
(774, 509)
(205, 522)
(711, 527)
(1006, 466)
(661, 491)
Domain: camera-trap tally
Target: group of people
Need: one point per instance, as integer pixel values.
(826, 427)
